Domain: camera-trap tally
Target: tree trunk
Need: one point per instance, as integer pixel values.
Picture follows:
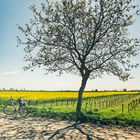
(80, 93)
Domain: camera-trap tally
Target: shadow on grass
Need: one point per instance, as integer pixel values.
(94, 117)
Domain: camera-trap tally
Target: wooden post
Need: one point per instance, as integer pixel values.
(67, 103)
(36, 102)
(106, 104)
(90, 105)
(73, 102)
(62, 102)
(109, 103)
(29, 102)
(51, 102)
(56, 102)
(44, 104)
(128, 107)
(95, 104)
(86, 105)
(122, 108)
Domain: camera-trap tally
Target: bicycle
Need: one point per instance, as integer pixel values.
(16, 107)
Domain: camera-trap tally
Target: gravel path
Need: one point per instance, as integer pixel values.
(47, 129)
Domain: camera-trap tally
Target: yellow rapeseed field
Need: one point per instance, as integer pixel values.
(54, 95)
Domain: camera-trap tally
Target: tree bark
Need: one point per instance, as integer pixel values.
(80, 93)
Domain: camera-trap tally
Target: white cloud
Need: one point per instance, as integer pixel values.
(9, 73)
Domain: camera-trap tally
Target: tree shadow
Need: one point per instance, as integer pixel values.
(74, 126)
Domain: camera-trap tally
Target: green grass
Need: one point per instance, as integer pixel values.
(104, 116)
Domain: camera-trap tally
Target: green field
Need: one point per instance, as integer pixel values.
(117, 108)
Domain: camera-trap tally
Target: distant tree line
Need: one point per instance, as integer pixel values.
(96, 90)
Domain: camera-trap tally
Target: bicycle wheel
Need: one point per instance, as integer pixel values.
(23, 111)
(9, 109)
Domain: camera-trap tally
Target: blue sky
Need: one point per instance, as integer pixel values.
(14, 12)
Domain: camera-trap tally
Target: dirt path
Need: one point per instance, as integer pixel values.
(47, 129)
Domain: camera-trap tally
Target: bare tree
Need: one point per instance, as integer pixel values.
(84, 37)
